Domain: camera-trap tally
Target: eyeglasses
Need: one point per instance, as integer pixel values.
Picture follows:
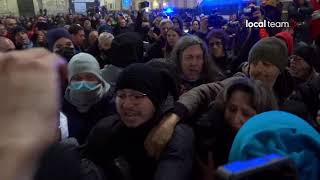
(132, 97)
(295, 58)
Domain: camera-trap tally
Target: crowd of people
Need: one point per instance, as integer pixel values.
(149, 95)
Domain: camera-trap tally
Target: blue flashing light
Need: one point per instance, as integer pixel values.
(219, 2)
(169, 10)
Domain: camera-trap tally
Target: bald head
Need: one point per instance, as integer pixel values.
(93, 37)
(6, 45)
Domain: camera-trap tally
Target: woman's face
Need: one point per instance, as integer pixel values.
(195, 26)
(265, 72)
(172, 37)
(41, 37)
(238, 109)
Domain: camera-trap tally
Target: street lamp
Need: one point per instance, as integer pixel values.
(165, 4)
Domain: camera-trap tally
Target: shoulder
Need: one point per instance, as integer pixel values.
(106, 125)
(182, 140)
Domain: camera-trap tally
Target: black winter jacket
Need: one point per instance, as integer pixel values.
(111, 144)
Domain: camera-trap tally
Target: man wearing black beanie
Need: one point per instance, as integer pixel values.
(303, 63)
(118, 141)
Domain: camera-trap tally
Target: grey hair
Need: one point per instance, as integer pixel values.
(211, 72)
(165, 21)
(105, 36)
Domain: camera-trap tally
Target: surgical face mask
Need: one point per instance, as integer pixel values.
(66, 52)
(85, 94)
(83, 85)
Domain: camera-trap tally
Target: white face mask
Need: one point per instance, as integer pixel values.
(85, 99)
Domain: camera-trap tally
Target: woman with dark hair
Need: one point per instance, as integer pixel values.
(173, 35)
(268, 60)
(216, 130)
(195, 26)
(40, 39)
(218, 41)
(177, 23)
(193, 64)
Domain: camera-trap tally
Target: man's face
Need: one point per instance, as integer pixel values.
(62, 43)
(216, 47)
(3, 30)
(42, 19)
(21, 38)
(87, 25)
(299, 68)
(265, 72)
(93, 37)
(134, 107)
(79, 38)
(11, 24)
(164, 29)
(123, 22)
(192, 62)
(176, 23)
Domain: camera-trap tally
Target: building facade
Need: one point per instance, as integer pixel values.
(32, 7)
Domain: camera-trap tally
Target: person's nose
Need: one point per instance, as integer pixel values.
(127, 103)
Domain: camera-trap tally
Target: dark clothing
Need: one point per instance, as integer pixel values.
(225, 64)
(186, 85)
(80, 124)
(126, 146)
(305, 102)
(95, 51)
(244, 40)
(301, 15)
(63, 162)
(214, 135)
(156, 50)
(78, 49)
(126, 49)
(121, 30)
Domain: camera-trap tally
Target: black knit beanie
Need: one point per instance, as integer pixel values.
(18, 29)
(126, 49)
(153, 82)
(55, 34)
(306, 52)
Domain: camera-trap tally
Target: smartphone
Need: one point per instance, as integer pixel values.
(270, 166)
(144, 4)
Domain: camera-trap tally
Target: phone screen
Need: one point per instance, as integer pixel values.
(251, 164)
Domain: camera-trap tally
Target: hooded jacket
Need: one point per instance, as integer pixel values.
(280, 133)
(80, 124)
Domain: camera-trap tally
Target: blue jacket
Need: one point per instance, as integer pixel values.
(278, 132)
